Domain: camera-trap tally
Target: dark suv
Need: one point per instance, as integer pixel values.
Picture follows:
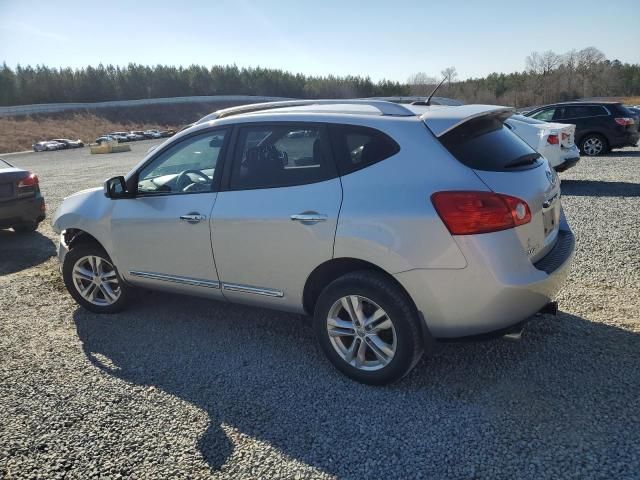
(600, 126)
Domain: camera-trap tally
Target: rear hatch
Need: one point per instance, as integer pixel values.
(507, 165)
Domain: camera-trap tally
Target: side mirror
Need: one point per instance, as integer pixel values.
(116, 187)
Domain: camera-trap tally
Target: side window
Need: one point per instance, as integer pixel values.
(358, 147)
(186, 167)
(544, 115)
(269, 156)
(582, 111)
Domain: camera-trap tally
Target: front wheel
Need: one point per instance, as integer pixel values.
(92, 279)
(368, 328)
(593, 144)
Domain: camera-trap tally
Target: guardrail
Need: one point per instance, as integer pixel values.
(21, 110)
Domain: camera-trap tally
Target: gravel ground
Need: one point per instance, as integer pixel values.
(186, 388)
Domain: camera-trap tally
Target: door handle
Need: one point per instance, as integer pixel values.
(309, 217)
(192, 218)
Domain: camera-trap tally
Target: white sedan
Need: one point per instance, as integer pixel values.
(47, 146)
(554, 141)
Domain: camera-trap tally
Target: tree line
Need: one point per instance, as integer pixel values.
(548, 77)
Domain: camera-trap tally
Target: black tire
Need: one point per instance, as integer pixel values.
(593, 144)
(26, 227)
(92, 249)
(400, 310)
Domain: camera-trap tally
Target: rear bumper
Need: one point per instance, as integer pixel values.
(499, 288)
(627, 139)
(567, 164)
(24, 210)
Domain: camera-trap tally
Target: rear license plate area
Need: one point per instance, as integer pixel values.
(549, 219)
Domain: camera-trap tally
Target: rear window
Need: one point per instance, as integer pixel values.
(487, 144)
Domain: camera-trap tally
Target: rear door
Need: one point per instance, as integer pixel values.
(508, 165)
(586, 118)
(276, 221)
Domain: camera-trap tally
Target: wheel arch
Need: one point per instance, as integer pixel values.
(75, 236)
(330, 270)
(593, 132)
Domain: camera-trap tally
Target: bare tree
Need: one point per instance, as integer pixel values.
(420, 83)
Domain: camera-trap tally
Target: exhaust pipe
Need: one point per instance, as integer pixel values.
(514, 336)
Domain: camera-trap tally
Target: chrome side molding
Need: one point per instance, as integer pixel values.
(267, 292)
(232, 287)
(176, 279)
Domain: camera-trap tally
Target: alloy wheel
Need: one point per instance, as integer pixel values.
(361, 333)
(593, 146)
(96, 280)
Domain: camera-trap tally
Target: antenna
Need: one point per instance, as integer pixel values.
(428, 102)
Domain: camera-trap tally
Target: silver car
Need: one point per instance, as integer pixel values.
(393, 225)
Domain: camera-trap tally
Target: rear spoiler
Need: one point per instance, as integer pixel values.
(443, 120)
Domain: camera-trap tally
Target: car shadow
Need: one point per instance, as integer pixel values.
(261, 373)
(623, 153)
(19, 251)
(598, 188)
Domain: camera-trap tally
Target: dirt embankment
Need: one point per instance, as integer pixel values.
(19, 133)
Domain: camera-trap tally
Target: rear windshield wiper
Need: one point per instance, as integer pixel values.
(523, 160)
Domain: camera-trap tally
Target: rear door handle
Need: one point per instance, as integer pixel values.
(192, 217)
(309, 217)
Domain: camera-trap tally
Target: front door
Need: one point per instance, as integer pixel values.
(277, 219)
(162, 237)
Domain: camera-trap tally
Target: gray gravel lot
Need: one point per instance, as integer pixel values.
(178, 387)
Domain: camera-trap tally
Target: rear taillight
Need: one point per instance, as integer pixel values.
(28, 182)
(468, 213)
(624, 121)
(553, 139)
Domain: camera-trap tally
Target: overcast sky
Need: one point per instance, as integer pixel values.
(380, 39)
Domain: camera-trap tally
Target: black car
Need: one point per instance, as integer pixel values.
(600, 126)
(21, 203)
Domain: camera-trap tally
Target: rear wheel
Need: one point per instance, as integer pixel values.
(368, 328)
(593, 144)
(92, 279)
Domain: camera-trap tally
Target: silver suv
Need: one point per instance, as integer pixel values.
(392, 225)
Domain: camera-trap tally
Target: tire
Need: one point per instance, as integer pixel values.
(372, 291)
(593, 144)
(26, 227)
(111, 293)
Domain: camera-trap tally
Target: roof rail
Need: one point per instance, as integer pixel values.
(385, 107)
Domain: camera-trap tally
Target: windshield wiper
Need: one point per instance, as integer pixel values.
(523, 160)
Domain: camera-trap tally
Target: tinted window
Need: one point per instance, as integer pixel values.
(357, 147)
(544, 115)
(186, 167)
(268, 156)
(581, 111)
(487, 144)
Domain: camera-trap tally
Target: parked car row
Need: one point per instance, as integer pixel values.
(134, 135)
(599, 126)
(57, 144)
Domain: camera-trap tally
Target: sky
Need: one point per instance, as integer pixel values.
(380, 39)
